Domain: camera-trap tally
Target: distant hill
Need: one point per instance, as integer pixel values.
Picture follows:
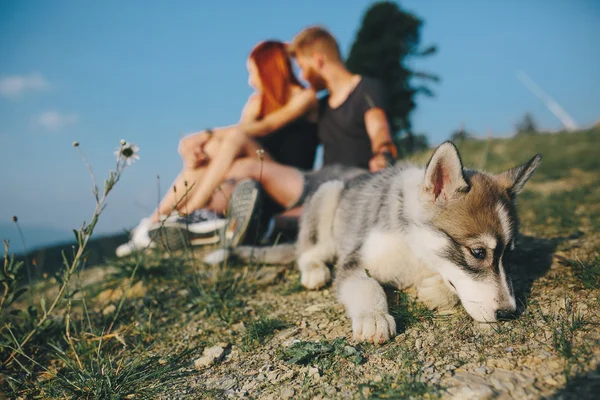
(35, 236)
(46, 245)
(48, 259)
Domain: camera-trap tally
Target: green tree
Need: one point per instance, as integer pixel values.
(460, 135)
(387, 39)
(527, 126)
(420, 142)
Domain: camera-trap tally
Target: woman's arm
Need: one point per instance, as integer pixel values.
(251, 109)
(298, 105)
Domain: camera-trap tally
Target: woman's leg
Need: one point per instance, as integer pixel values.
(283, 183)
(200, 187)
(179, 193)
(186, 184)
(231, 146)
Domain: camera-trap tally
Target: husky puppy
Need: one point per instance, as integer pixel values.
(445, 230)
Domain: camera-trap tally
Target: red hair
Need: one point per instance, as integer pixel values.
(276, 75)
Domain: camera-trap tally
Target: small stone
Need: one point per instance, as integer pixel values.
(268, 275)
(234, 354)
(288, 375)
(350, 350)
(483, 370)
(111, 308)
(215, 352)
(313, 372)
(203, 362)
(287, 392)
(227, 384)
(316, 307)
(136, 291)
(209, 357)
(266, 368)
(239, 326)
(478, 392)
(286, 334)
(272, 376)
(535, 360)
(553, 364)
(418, 344)
(550, 381)
(250, 386)
(509, 349)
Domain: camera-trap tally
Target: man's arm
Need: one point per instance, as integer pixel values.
(378, 129)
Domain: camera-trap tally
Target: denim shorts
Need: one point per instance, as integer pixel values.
(314, 179)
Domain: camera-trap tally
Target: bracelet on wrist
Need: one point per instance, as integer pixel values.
(387, 147)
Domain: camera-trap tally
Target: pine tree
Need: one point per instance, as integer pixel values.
(526, 126)
(387, 39)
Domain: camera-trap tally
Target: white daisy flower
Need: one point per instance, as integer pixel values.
(128, 153)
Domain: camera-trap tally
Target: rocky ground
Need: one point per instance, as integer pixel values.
(551, 350)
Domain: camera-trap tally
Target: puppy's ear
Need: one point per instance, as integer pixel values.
(514, 179)
(444, 177)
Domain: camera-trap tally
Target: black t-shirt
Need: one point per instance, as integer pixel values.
(342, 130)
(294, 144)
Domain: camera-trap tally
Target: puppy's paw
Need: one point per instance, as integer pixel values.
(434, 292)
(375, 327)
(315, 277)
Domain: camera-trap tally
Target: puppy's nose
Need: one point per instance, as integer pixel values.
(505, 315)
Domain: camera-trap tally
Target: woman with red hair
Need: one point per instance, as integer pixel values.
(278, 123)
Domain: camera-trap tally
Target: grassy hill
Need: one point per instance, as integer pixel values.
(562, 153)
(562, 197)
(166, 326)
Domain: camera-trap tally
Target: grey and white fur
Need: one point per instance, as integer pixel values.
(445, 230)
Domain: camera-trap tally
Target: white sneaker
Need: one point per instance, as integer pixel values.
(140, 239)
(201, 227)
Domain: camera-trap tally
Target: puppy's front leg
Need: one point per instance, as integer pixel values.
(366, 305)
(314, 274)
(434, 292)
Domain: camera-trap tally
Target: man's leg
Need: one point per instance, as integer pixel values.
(283, 183)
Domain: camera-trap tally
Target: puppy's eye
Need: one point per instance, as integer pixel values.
(478, 253)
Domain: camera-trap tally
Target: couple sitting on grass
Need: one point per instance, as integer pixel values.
(273, 147)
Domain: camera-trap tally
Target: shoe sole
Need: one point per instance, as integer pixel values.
(176, 237)
(199, 228)
(243, 204)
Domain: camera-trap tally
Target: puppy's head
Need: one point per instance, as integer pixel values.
(476, 214)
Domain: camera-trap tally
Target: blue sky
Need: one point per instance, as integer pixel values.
(149, 72)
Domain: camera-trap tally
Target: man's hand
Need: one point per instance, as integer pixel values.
(378, 162)
(191, 149)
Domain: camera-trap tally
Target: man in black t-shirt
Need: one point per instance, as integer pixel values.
(343, 130)
(352, 126)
